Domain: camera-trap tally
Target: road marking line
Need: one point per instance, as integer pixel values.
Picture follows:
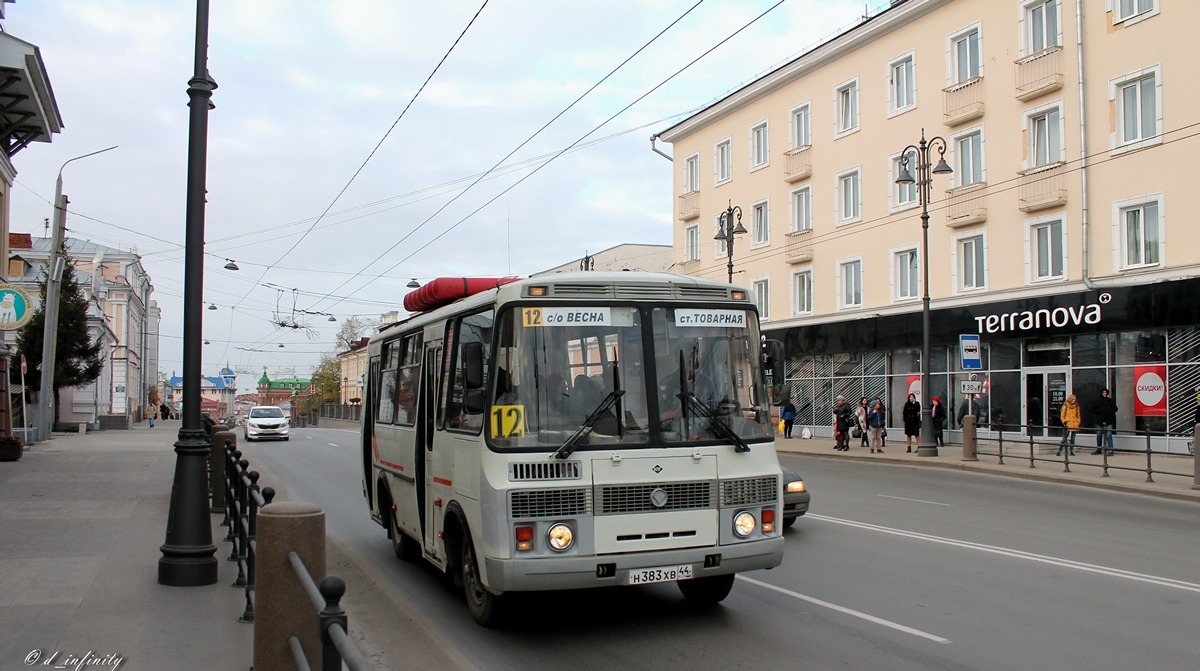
(1021, 554)
(848, 611)
(901, 498)
(332, 444)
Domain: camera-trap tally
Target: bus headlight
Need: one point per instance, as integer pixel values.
(744, 523)
(560, 537)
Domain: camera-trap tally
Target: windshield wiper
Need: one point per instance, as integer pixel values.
(584, 429)
(716, 423)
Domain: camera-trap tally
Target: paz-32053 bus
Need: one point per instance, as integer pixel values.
(579, 430)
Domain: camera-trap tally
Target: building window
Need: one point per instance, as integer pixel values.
(762, 297)
(964, 56)
(759, 146)
(969, 150)
(1041, 25)
(1141, 237)
(846, 105)
(1046, 249)
(971, 263)
(1135, 99)
(1045, 136)
(849, 197)
(1128, 9)
(802, 209)
(724, 164)
(760, 224)
(691, 174)
(802, 291)
(902, 85)
(850, 283)
(906, 274)
(691, 243)
(801, 127)
(903, 195)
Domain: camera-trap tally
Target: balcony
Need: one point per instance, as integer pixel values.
(965, 205)
(689, 206)
(963, 102)
(1040, 73)
(1042, 187)
(799, 164)
(799, 246)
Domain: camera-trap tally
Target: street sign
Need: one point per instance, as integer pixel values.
(968, 347)
(967, 387)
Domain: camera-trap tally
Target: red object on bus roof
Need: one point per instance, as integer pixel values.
(446, 290)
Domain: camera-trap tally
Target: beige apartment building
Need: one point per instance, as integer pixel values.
(1069, 126)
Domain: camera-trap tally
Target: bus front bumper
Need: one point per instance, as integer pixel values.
(569, 572)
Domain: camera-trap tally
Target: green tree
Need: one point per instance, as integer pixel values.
(78, 359)
(326, 379)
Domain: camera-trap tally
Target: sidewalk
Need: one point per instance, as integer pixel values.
(81, 521)
(1127, 470)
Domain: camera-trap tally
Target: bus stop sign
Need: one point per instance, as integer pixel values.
(968, 347)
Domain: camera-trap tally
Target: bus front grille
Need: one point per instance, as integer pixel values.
(531, 503)
(544, 470)
(749, 491)
(622, 499)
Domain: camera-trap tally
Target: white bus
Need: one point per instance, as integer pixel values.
(580, 430)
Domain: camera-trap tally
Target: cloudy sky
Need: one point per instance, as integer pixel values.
(334, 177)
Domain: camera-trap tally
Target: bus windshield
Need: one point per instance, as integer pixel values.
(617, 375)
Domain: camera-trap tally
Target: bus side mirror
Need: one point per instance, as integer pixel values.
(473, 365)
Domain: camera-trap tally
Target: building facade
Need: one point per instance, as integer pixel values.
(217, 393)
(1065, 124)
(281, 390)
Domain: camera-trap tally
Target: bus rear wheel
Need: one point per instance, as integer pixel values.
(706, 591)
(402, 544)
(485, 607)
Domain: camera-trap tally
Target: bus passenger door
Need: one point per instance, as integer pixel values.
(426, 426)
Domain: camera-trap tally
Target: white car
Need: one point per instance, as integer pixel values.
(266, 422)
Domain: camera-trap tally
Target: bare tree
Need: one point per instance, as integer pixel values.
(352, 330)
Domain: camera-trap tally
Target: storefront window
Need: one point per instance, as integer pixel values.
(939, 355)
(1127, 418)
(1086, 384)
(1005, 355)
(1004, 401)
(1055, 352)
(1091, 350)
(1183, 346)
(1141, 347)
(905, 361)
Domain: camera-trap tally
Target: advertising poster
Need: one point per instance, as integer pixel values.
(1150, 391)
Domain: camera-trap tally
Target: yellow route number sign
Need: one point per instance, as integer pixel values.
(508, 421)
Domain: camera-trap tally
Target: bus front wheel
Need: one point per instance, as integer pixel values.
(706, 591)
(485, 607)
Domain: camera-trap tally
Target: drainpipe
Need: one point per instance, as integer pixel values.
(1083, 147)
(654, 148)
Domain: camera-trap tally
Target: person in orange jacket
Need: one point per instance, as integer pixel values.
(1071, 418)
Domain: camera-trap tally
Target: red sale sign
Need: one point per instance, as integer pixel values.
(1150, 391)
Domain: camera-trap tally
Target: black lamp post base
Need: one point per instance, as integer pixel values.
(927, 450)
(176, 569)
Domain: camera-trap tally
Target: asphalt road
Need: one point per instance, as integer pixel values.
(895, 567)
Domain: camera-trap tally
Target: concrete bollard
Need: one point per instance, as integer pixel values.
(216, 467)
(970, 444)
(282, 608)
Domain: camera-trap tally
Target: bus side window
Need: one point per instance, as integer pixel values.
(468, 379)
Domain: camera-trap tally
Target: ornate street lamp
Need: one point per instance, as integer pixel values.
(726, 219)
(926, 446)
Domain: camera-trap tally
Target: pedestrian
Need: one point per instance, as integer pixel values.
(883, 431)
(843, 419)
(1105, 412)
(876, 420)
(1070, 416)
(860, 415)
(151, 415)
(787, 412)
(166, 411)
(912, 421)
(937, 415)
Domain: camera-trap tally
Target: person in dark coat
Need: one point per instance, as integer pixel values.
(937, 415)
(1104, 409)
(164, 411)
(787, 412)
(912, 421)
(843, 419)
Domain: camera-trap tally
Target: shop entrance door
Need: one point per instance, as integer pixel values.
(1046, 390)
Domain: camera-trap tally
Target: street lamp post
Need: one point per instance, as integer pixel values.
(926, 446)
(188, 554)
(727, 234)
(54, 271)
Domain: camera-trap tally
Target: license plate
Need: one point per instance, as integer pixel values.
(659, 574)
